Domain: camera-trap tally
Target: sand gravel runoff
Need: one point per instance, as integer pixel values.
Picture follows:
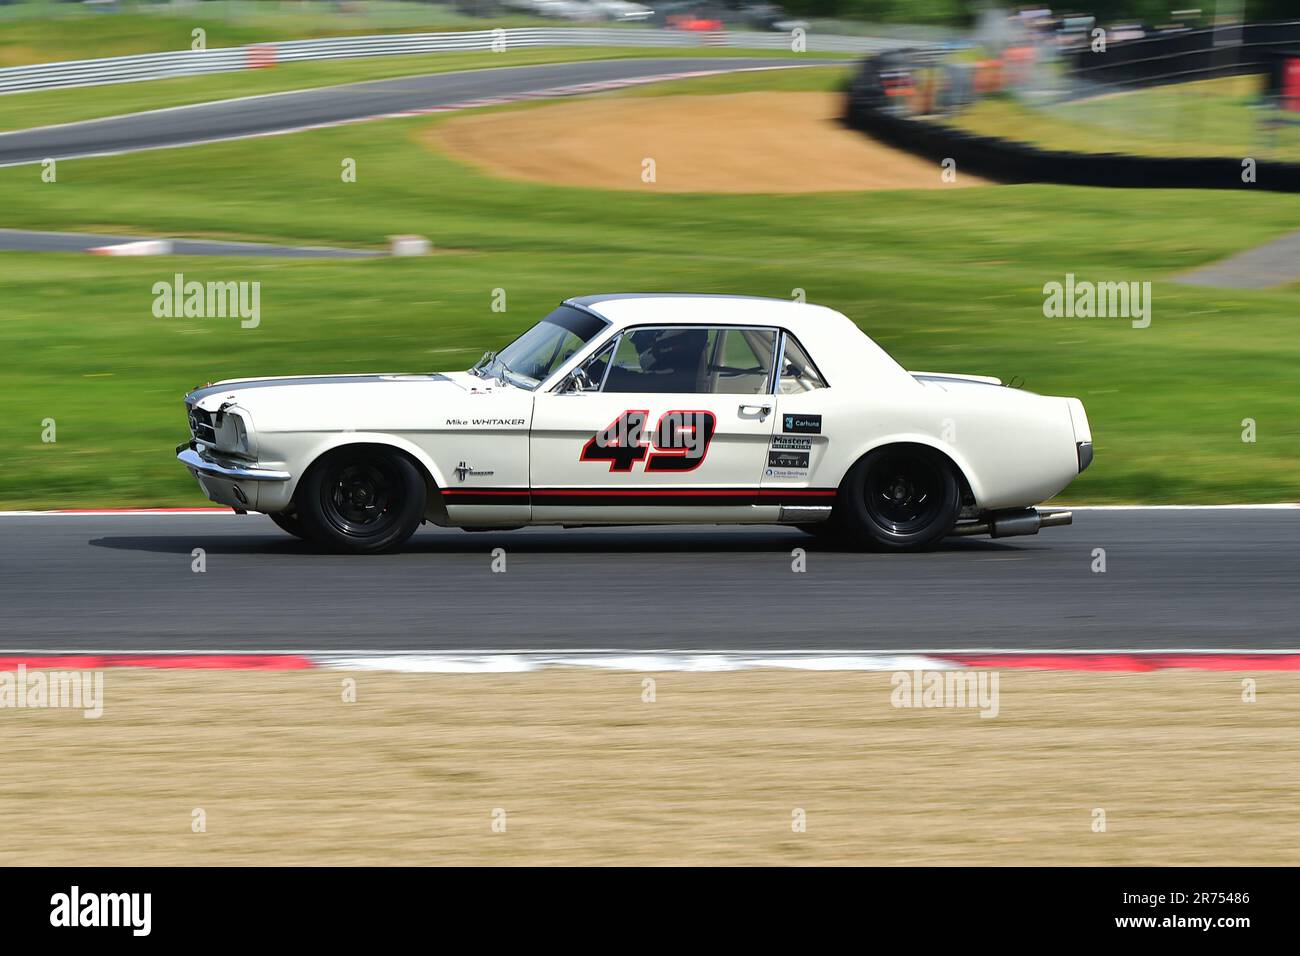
(759, 142)
(581, 769)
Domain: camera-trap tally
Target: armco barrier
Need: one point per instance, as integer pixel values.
(1006, 161)
(159, 66)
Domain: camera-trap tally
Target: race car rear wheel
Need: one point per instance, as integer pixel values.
(900, 498)
(829, 530)
(364, 499)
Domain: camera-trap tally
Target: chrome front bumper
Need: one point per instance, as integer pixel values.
(235, 484)
(189, 456)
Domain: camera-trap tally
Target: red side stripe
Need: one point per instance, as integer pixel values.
(114, 511)
(258, 662)
(1130, 662)
(478, 491)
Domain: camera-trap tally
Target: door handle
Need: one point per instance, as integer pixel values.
(762, 411)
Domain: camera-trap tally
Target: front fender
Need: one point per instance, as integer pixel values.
(304, 450)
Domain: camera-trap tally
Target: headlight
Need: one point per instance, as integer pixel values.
(234, 434)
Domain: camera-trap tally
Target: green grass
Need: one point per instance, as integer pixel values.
(1220, 117)
(946, 280)
(22, 110)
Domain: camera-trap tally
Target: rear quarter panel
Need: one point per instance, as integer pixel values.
(1014, 448)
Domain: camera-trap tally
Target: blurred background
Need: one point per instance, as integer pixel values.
(822, 179)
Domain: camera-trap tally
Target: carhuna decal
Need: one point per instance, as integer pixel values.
(804, 424)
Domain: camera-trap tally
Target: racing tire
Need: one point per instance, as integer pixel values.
(829, 530)
(290, 523)
(362, 500)
(900, 498)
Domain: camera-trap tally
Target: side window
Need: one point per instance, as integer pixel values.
(660, 360)
(798, 374)
(693, 359)
(742, 362)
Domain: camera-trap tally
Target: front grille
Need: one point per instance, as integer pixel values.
(201, 425)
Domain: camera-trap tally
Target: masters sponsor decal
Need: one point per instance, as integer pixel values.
(787, 443)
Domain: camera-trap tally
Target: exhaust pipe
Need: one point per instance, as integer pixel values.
(1010, 523)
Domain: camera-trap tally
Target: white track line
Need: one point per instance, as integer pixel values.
(524, 663)
(664, 661)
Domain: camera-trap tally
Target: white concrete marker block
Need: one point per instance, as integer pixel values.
(408, 245)
(146, 247)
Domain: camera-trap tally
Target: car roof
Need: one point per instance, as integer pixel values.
(842, 351)
(640, 308)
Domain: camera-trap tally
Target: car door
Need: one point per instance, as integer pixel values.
(800, 440)
(669, 424)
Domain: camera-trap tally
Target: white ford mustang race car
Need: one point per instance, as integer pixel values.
(645, 409)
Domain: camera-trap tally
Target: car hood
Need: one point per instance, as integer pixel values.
(352, 401)
(258, 390)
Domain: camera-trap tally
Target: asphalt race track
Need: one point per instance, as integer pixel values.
(259, 115)
(30, 240)
(1195, 579)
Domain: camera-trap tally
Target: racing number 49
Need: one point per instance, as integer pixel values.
(678, 442)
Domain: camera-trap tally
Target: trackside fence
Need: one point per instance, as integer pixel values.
(161, 66)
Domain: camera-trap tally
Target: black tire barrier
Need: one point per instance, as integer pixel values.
(1007, 161)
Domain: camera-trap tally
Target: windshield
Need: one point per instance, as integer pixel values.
(531, 358)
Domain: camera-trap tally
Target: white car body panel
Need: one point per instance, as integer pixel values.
(496, 454)
(735, 459)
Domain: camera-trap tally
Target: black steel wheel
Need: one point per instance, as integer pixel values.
(364, 499)
(901, 498)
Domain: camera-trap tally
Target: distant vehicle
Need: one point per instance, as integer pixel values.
(1075, 32)
(559, 9)
(768, 16)
(1126, 31)
(622, 11)
(694, 23)
(645, 409)
(563, 9)
(715, 17)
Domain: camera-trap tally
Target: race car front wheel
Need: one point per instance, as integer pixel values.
(365, 499)
(290, 523)
(900, 498)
